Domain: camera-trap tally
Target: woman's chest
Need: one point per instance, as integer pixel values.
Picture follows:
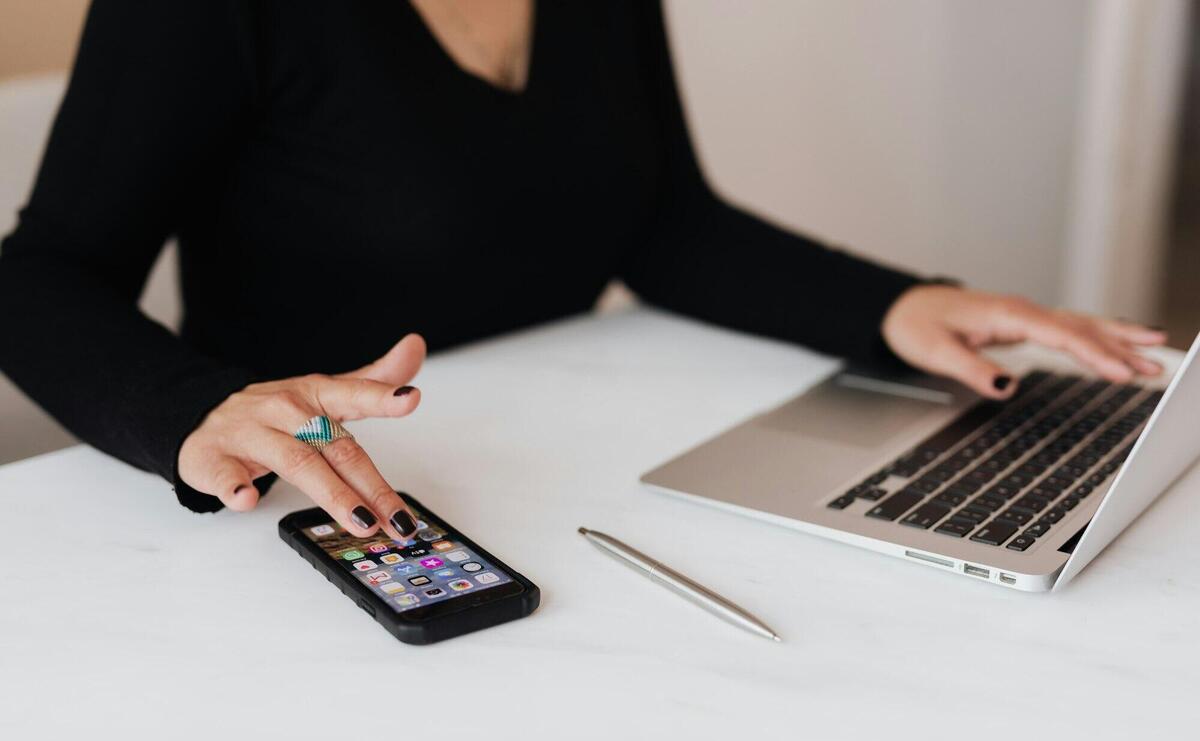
(369, 130)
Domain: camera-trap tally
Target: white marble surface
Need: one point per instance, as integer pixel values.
(122, 615)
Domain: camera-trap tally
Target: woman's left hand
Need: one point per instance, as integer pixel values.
(941, 329)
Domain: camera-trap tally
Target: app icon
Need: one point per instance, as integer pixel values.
(393, 587)
(487, 577)
(406, 600)
(432, 563)
(442, 545)
(435, 592)
(320, 530)
(379, 577)
(430, 534)
(366, 565)
(444, 572)
(421, 525)
(472, 566)
(419, 581)
(404, 568)
(457, 556)
(407, 543)
(390, 558)
(352, 554)
(377, 548)
(460, 585)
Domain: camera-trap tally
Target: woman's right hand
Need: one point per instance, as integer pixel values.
(251, 434)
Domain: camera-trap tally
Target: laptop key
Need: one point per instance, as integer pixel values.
(992, 503)
(956, 526)
(1021, 542)
(1053, 516)
(1038, 529)
(975, 515)
(1032, 503)
(995, 533)
(895, 505)
(842, 502)
(952, 497)
(927, 514)
(1017, 516)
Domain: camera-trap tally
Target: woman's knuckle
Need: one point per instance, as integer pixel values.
(385, 495)
(284, 404)
(300, 457)
(343, 499)
(345, 452)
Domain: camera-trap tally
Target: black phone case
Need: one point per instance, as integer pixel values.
(417, 632)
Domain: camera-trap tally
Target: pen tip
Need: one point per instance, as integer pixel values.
(777, 639)
(583, 531)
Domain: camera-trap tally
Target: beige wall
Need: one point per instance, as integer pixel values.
(38, 35)
(932, 134)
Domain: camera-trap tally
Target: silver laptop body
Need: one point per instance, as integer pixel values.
(830, 461)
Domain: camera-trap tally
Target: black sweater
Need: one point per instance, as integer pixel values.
(336, 181)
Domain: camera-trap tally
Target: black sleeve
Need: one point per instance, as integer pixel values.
(158, 91)
(718, 263)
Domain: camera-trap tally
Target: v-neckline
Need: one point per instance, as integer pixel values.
(500, 92)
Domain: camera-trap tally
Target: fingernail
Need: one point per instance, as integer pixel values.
(363, 517)
(1001, 382)
(240, 489)
(403, 391)
(404, 523)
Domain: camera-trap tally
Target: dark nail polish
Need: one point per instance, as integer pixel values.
(1001, 382)
(403, 391)
(363, 517)
(240, 489)
(404, 523)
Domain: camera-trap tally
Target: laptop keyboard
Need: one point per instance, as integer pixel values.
(1005, 473)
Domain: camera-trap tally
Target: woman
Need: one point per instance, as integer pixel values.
(343, 174)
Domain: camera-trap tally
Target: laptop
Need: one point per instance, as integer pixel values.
(1022, 493)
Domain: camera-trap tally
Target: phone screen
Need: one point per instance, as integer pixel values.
(433, 567)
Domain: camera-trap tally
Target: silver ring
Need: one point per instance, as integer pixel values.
(321, 431)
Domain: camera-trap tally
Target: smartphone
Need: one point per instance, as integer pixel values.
(437, 585)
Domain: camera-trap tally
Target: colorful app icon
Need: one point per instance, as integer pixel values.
(430, 534)
(366, 565)
(444, 573)
(390, 558)
(460, 585)
(379, 577)
(392, 587)
(457, 556)
(407, 542)
(352, 554)
(320, 530)
(442, 545)
(421, 525)
(419, 581)
(377, 548)
(487, 577)
(435, 592)
(472, 566)
(432, 563)
(404, 568)
(406, 600)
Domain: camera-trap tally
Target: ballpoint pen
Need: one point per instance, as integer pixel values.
(658, 572)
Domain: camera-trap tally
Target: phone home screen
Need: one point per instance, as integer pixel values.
(432, 567)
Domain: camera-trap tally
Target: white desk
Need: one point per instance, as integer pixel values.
(123, 614)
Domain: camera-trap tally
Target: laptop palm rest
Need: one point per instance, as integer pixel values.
(850, 414)
(784, 460)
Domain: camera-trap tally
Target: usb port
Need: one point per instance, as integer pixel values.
(1007, 578)
(973, 570)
